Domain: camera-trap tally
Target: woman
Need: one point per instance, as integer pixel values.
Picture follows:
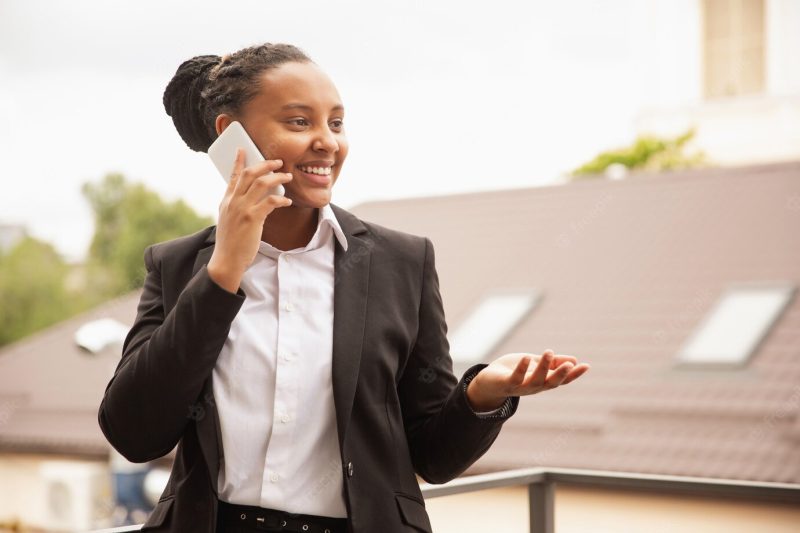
(295, 354)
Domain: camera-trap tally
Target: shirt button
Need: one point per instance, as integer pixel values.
(349, 469)
(285, 418)
(274, 477)
(288, 306)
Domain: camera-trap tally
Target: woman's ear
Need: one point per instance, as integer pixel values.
(223, 121)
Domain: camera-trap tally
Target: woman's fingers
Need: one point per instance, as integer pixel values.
(518, 375)
(238, 166)
(273, 201)
(575, 373)
(542, 367)
(552, 371)
(558, 360)
(263, 184)
(248, 175)
(559, 375)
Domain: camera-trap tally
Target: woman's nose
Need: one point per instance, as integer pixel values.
(326, 140)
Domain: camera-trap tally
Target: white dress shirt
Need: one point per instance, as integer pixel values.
(272, 383)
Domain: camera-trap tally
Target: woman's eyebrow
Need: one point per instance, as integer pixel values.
(338, 107)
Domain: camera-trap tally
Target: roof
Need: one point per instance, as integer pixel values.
(627, 270)
(50, 390)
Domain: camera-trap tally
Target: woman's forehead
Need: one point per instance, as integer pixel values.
(296, 83)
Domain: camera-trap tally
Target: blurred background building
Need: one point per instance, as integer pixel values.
(731, 70)
(58, 472)
(680, 290)
(679, 287)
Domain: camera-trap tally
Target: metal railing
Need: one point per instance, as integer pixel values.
(541, 483)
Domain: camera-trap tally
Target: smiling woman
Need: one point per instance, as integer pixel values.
(291, 110)
(296, 354)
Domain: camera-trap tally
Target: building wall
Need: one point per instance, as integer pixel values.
(579, 510)
(783, 47)
(670, 35)
(740, 130)
(667, 39)
(53, 493)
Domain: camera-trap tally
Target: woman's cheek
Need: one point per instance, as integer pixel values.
(275, 147)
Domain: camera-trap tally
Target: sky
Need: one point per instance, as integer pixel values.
(440, 97)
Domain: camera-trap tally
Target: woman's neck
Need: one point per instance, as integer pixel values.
(287, 228)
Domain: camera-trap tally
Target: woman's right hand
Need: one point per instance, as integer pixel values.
(242, 213)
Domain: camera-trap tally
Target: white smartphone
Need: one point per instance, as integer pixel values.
(223, 152)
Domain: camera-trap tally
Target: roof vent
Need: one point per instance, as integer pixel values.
(98, 335)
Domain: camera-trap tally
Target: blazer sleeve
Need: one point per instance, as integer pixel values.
(445, 435)
(166, 358)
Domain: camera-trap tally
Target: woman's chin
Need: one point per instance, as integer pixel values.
(314, 199)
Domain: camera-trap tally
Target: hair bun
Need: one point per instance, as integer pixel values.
(183, 101)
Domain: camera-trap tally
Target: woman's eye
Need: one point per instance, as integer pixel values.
(338, 123)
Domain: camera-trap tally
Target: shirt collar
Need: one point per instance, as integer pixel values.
(326, 214)
(326, 222)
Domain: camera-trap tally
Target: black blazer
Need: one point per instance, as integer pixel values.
(399, 408)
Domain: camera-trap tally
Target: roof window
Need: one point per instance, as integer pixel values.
(489, 323)
(737, 323)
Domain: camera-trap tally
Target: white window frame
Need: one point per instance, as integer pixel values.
(697, 351)
(466, 347)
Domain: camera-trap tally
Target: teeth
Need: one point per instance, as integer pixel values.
(322, 171)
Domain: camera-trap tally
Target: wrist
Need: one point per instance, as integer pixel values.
(224, 276)
(478, 402)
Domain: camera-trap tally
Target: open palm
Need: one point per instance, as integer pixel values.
(513, 375)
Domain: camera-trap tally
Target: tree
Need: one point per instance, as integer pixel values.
(38, 288)
(32, 289)
(128, 218)
(648, 152)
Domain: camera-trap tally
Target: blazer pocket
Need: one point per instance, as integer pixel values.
(159, 514)
(413, 512)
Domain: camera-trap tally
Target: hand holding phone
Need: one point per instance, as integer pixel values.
(223, 152)
(249, 199)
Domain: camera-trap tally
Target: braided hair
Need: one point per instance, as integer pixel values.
(205, 86)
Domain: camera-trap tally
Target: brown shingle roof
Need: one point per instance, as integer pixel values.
(627, 270)
(50, 389)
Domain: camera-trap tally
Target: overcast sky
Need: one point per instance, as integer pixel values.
(441, 96)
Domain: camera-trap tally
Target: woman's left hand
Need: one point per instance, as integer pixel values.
(509, 375)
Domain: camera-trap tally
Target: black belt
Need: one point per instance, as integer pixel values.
(263, 519)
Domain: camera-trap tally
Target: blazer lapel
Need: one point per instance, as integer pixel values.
(350, 290)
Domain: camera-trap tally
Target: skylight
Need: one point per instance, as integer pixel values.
(489, 323)
(735, 326)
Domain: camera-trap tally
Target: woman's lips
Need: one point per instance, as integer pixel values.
(316, 178)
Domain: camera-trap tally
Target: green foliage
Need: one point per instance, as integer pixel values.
(128, 218)
(646, 153)
(38, 288)
(32, 289)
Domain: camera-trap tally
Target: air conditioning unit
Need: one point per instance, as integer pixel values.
(77, 495)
